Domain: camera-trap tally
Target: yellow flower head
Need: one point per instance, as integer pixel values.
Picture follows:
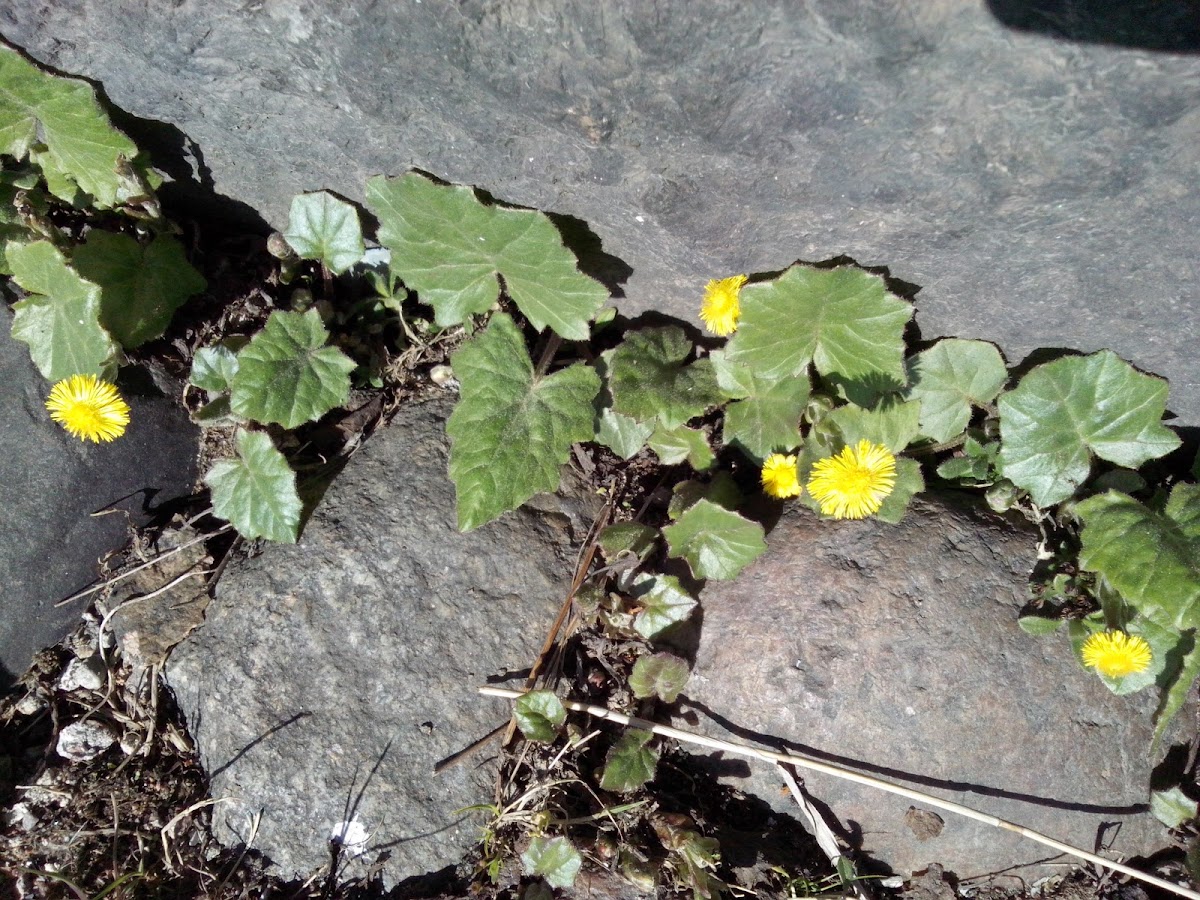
(1115, 653)
(779, 478)
(90, 409)
(721, 307)
(854, 483)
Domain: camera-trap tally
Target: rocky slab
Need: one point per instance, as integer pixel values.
(331, 675)
(1031, 166)
(52, 484)
(896, 649)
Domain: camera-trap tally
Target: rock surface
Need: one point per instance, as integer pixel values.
(897, 648)
(1030, 165)
(50, 543)
(330, 676)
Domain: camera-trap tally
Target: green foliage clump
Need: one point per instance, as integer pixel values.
(81, 231)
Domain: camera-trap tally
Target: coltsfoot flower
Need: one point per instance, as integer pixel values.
(1116, 654)
(722, 306)
(854, 483)
(90, 409)
(779, 477)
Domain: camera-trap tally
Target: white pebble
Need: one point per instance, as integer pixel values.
(82, 674)
(81, 741)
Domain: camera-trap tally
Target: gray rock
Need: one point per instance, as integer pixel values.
(1038, 187)
(897, 648)
(50, 486)
(330, 676)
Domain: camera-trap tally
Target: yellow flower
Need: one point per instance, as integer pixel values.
(90, 409)
(854, 484)
(721, 308)
(779, 477)
(1115, 653)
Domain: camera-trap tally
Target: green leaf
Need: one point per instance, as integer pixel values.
(539, 715)
(287, 374)
(722, 490)
(977, 465)
(553, 859)
(1038, 626)
(627, 537)
(61, 320)
(649, 379)
(1173, 807)
(324, 228)
(716, 542)
(843, 320)
(1176, 694)
(674, 445)
(768, 419)
(630, 763)
(662, 675)
(213, 367)
(140, 287)
(735, 380)
(257, 490)
(893, 423)
(909, 483)
(949, 379)
(1183, 507)
(63, 114)
(511, 433)
(1062, 411)
(1147, 556)
(622, 435)
(449, 247)
(664, 602)
(217, 413)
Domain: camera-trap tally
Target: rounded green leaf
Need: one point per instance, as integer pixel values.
(842, 320)
(1065, 410)
(257, 490)
(61, 320)
(287, 374)
(722, 490)
(909, 483)
(1150, 558)
(324, 228)
(662, 675)
(1038, 626)
(663, 602)
(716, 542)
(627, 537)
(449, 247)
(768, 419)
(631, 763)
(650, 380)
(1172, 807)
(63, 114)
(213, 368)
(623, 435)
(949, 379)
(553, 859)
(674, 445)
(511, 433)
(893, 423)
(140, 287)
(539, 715)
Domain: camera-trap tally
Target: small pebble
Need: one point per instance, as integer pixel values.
(19, 817)
(351, 836)
(82, 674)
(81, 741)
(30, 704)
